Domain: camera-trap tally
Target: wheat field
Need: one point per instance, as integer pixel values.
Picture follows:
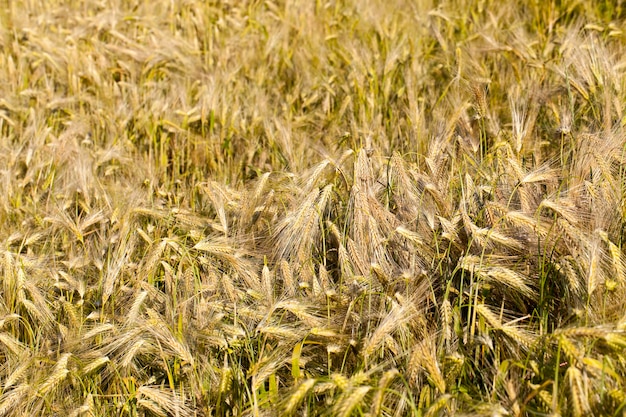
(312, 208)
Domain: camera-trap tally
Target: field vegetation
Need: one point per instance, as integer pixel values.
(312, 208)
